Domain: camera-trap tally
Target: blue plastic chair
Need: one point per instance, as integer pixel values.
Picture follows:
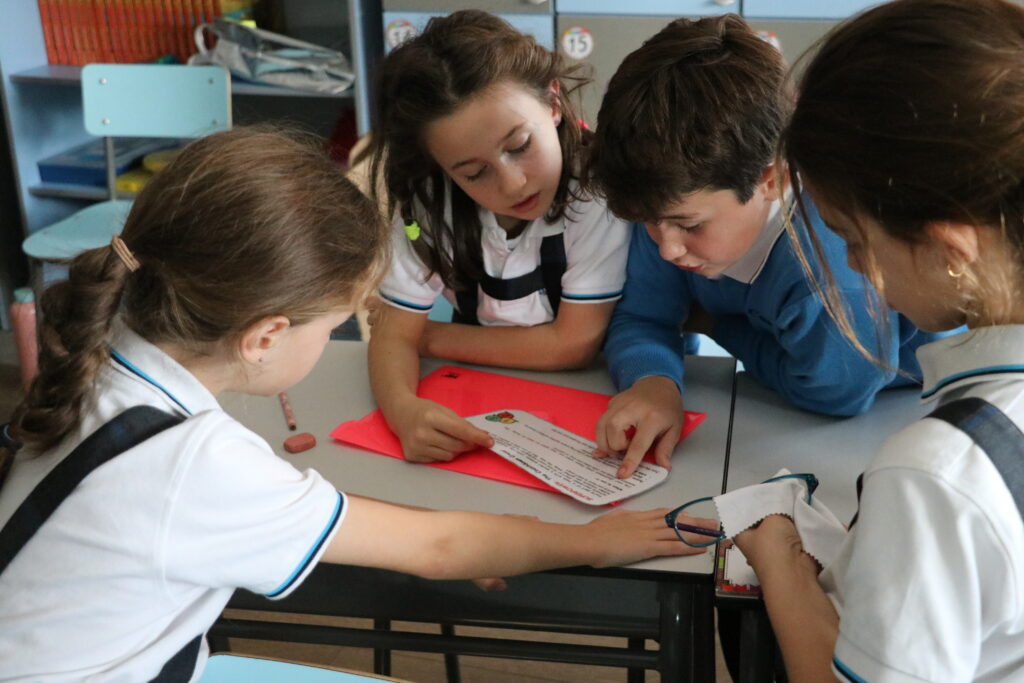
(229, 668)
(134, 100)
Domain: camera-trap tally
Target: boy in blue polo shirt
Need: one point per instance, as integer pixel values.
(685, 147)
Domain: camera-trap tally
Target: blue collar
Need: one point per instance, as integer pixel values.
(970, 356)
(127, 365)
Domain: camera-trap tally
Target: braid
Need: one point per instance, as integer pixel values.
(76, 318)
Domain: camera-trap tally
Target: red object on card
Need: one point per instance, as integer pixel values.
(472, 392)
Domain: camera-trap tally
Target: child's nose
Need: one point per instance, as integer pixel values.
(671, 244)
(512, 180)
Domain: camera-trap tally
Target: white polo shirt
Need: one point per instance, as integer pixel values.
(143, 555)
(596, 247)
(930, 583)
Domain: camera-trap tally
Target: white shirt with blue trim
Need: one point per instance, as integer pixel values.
(144, 554)
(596, 248)
(930, 583)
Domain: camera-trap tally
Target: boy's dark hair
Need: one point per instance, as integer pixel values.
(699, 106)
(429, 77)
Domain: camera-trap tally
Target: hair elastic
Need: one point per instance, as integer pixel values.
(124, 253)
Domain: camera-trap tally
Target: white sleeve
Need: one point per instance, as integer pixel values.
(596, 247)
(408, 284)
(915, 586)
(240, 516)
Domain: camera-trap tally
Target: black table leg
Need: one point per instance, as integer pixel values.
(704, 633)
(635, 675)
(451, 660)
(382, 657)
(757, 646)
(676, 632)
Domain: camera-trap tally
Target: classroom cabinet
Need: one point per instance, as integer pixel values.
(791, 36)
(667, 8)
(400, 25)
(43, 112)
(805, 9)
(495, 6)
(599, 42)
(601, 37)
(403, 19)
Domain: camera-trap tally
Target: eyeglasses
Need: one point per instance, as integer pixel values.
(704, 508)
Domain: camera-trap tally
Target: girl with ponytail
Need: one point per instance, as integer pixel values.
(133, 506)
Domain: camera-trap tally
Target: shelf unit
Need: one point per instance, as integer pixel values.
(42, 109)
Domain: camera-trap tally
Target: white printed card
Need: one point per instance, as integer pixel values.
(562, 459)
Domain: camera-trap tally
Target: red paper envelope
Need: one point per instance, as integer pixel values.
(471, 392)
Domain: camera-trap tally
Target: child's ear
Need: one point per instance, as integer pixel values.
(772, 183)
(959, 242)
(555, 98)
(261, 336)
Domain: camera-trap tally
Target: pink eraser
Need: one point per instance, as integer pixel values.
(299, 442)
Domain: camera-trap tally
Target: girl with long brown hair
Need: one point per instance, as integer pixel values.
(478, 149)
(908, 136)
(135, 506)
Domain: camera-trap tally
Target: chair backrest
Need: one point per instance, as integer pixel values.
(155, 100)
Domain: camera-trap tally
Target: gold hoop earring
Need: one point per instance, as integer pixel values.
(952, 273)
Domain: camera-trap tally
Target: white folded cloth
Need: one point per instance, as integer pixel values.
(821, 533)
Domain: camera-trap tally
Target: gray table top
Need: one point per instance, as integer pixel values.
(338, 390)
(769, 434)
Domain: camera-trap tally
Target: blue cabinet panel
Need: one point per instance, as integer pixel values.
(805, 9)
(400, 26)
(670, 8)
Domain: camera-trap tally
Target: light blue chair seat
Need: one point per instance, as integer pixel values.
(228, 668)
(92, 227)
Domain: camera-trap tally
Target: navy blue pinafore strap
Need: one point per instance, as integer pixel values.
(993, 432)
(124, 432)
(547, 277)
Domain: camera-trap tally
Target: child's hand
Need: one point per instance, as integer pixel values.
(654, 408)
(774, 538)
(430, 432)
(627, 536)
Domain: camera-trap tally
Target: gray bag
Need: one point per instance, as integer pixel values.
(271, 58)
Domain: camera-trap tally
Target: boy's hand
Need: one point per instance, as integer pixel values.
(430, 432)
(653, 408)
(627, 536)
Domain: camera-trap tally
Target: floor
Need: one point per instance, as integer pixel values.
(409, 666)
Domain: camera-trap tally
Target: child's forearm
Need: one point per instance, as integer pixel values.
(477, 544)
(532, 348)
(394, 369)
(804, 620)
(570, 341)
(455, 545)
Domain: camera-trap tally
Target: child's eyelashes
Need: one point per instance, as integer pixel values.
(688, 228)
(514, 151)
(521, 148)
